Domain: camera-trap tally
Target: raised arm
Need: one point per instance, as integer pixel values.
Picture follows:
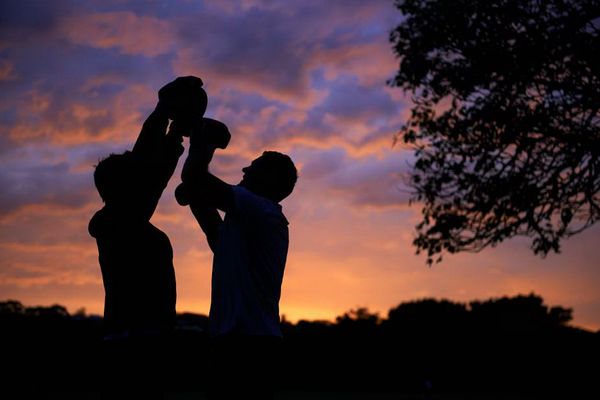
(156, 151)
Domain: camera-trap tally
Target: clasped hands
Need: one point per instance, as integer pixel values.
(184, 101)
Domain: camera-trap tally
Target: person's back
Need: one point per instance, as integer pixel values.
(136, 260)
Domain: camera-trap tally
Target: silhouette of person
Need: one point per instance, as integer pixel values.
(136, 258)
(250, 248)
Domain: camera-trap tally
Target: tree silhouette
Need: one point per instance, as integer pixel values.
(519, 313)
(360, 315)
(505, 123)
(11, 307)
(428, 316)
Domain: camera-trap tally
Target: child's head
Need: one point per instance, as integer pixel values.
(112, 176)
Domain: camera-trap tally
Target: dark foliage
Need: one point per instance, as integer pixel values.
(505, 123)
(515, 345)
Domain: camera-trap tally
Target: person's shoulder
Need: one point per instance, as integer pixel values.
(243, 195)
(112, 220)
(240, 191)
(251, 204)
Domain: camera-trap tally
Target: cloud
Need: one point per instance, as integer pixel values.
(59, 118)
(353, 102)
(371, 63)
(42, 184)
(37, 19)
(275, 50)
(323, 164)
(75, 78)
(362, 120)
(336, 178)
(372, 182)
(123, 30)
(30, 270)
(45, 245)
(7, 71)
(250, 61)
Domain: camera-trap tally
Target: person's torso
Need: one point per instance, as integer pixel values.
(248, 271)
(136, 260)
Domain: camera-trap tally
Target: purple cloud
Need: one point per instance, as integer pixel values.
(43, 184)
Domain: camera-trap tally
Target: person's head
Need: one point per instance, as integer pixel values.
(272, 175)
(112, 176)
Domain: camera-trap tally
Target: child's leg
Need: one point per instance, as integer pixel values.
(203, 143)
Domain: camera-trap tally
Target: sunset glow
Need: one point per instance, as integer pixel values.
(304, 77)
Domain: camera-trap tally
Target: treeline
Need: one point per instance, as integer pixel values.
(522, 313)
(505, 345)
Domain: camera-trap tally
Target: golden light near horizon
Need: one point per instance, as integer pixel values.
(78, 85)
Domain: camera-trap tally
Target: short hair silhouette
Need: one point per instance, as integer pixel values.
(111, 176)
(284, 172)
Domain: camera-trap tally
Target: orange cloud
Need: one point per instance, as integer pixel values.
(43, 116)
(27, 264)
(372, 63)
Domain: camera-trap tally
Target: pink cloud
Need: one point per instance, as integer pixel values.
(7, 71)
(123, 30)
(55, 118)
(372, 63)
(245, 77)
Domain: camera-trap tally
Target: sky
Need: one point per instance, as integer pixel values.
(304, 77)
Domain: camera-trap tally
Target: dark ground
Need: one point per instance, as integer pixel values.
(431, 354)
